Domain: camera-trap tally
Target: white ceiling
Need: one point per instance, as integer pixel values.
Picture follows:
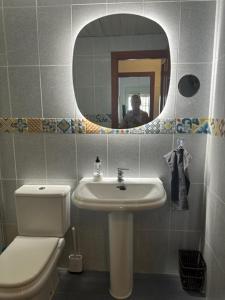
(120, 25)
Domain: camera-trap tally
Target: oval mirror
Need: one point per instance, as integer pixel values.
(188, 85)
(121, 70)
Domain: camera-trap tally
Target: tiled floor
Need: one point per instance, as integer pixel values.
(94, 286)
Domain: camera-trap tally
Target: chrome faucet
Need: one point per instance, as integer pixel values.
(120, 178)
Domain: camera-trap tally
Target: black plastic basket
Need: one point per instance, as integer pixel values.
(192, 268)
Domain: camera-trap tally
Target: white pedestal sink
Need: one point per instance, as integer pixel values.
(140, 194)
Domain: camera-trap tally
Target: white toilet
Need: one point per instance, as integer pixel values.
(28, 265)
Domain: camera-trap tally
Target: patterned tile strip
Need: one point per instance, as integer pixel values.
(215, 127)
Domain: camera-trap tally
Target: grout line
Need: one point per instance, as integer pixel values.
(39, 65)
(76, 158)
(45, 157)
(35, 5)
(139, 155)
(14, 156)
(169, 230)
(39, 61)
(2, 216)
(7, 61)
(22, 179)
(107, 155)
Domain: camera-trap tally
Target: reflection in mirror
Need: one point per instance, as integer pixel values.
(188, 85)
(121, 70)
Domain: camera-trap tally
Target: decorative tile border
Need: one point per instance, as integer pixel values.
(83, 126)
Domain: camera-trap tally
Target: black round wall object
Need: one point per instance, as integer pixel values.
(188, 85)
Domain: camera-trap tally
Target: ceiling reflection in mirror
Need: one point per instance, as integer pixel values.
(121, 70)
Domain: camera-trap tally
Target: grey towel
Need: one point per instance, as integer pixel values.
(178, 161)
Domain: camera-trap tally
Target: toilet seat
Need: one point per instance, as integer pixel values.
(26, 264)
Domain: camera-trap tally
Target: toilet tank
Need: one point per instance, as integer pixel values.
(43, 210)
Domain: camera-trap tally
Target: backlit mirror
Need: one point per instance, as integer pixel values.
(121, 70)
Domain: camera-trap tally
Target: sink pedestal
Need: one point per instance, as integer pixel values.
(121, 254)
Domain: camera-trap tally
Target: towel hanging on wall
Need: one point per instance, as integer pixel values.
(178, 161)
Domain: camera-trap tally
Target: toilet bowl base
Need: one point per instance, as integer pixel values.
(48, 290)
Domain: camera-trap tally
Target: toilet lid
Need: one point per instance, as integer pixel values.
(24, 259)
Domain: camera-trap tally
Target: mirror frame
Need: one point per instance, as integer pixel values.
(115, 57)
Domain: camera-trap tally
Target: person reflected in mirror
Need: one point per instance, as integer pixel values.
(136, 116)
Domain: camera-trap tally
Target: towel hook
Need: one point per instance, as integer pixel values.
(180, 142)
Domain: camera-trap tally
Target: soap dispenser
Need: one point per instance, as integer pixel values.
(97, 170)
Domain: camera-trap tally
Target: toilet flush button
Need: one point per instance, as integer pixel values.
(42, 188)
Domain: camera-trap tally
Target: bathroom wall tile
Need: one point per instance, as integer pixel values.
(30, 160)
(65, 125)
(166, 14)
(8, 125)
(195, 145)
(3, 60)
(37, 181)
(71, 182)
(11, 232)
(84, 14)
(4, 93)
(88, 147)
(181, 240)
(198, 105)
(7, 161)
(163, 0)
(57, 92)
(153, 148)
(217, 168)
(210, 217)
(123, 153)
(219, 103)
(151, 251)
(55, 35)
(158, 219)
(25, 91)
(21, 35)
(61, 156)
(191, 219)
(218, 239)
(87, 219)
(130, 8)
(53, 2)
(215, 276)
(9, 186)
(88, 1)
(197, 30)
(221, 41)
(124, 1)
(2, 38)
(18, 3)
(97, 241)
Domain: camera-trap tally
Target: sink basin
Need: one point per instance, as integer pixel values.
(140, 194)
(104, 195)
